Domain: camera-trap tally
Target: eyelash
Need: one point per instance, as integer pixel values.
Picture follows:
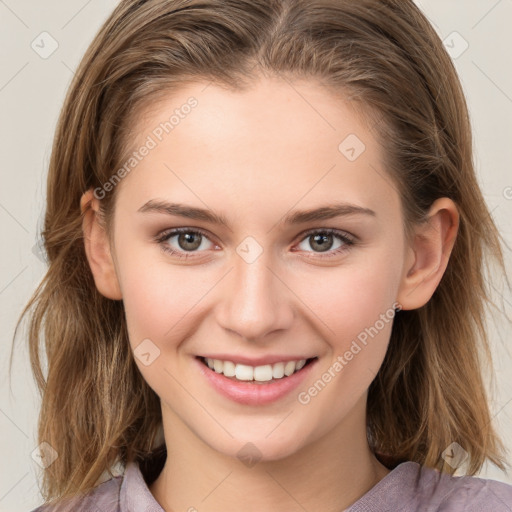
(348, 240)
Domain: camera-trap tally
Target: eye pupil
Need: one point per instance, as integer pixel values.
(188, 238)
(324, 241)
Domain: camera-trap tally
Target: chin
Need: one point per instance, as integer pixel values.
(255, 445)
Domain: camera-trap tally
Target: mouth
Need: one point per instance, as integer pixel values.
(255, 385)
(264, 374)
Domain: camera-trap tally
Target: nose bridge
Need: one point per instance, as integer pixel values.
(255, 301)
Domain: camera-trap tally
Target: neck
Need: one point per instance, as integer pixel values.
(329, 474)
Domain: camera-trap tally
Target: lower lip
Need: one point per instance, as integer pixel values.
(251, 392)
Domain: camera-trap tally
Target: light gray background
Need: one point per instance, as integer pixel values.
(31, 93)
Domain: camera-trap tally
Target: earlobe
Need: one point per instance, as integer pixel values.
(428, 256)
(97, 248)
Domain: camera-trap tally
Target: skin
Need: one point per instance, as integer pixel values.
(255, 157)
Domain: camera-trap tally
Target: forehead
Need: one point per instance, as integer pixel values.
(278, 142)
(294, 111)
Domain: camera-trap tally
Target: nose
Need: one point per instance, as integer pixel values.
(256, 301)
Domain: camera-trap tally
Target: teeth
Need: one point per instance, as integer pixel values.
(289, 368)
(263, 373)
(229, 369)
(243, 372)
(300, 364)
(278, 370)
(218, 366)
(258, 373)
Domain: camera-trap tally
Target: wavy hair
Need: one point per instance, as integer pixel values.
(385, 57)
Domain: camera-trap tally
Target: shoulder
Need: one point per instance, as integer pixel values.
(411, 487)
(104, 498)
(474, 494)
(442, 492)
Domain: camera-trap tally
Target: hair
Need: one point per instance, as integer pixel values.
(387, 60)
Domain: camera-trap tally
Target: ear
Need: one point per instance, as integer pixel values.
(97, 248)
(428, 255)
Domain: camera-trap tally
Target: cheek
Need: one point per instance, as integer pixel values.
(159, 302)
(356, 307)
(158, 297)
(348, 299)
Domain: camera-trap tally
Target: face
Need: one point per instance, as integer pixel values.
(274, 282)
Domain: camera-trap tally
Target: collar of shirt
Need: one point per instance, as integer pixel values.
(135, 495)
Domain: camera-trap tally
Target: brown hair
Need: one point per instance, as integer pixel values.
(381, 54)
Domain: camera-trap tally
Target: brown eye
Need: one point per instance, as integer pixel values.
(189, 241)
(321, 242)
(186, 241)
(324, 241)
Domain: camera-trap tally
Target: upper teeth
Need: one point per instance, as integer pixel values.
(258, 373)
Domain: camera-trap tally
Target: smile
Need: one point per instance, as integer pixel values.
(268, 380)
(263, 373)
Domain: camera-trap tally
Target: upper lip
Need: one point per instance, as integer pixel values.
(256, 361)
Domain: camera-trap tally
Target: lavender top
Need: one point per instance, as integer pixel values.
(408, 487)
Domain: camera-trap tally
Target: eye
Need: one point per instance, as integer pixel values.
(322, 240)
(187, 241)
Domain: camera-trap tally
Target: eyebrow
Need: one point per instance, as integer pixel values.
(329, 211)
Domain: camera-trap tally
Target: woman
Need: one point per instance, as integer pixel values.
(207, 154)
